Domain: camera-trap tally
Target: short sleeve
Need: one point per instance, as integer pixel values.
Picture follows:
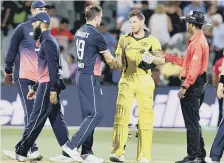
(101, 43)
(118, 51)
(156, 45)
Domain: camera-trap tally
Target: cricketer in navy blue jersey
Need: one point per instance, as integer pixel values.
(22, 53)
(47, 100)
(90, 45)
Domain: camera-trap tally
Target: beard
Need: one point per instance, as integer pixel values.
(37, 32)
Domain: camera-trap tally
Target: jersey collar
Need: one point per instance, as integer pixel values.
(137, 39)
(90, 25)
(196, 35)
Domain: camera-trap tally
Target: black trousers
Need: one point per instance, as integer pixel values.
(190, 106)
(220, 111)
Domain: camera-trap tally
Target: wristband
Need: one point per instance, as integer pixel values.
(221, 80)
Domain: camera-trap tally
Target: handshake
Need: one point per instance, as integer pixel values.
(150, 59)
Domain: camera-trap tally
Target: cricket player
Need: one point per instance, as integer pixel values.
(136, 82)
(90, 44)
(47, 100)
(22, 53)
(194, 80)
(218, 143)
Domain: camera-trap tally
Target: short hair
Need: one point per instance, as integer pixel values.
(137, 13)
(199, 26)
(64, 21)
(92, 11)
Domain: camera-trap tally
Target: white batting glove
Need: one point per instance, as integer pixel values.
(147, 57)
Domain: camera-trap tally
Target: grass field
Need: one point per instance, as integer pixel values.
(168, 145)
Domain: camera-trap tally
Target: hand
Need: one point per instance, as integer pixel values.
(8, 79)
(147, 57)
(31, 94)
(220, 91)
(53, 98)
(181, 93)
(116, 65)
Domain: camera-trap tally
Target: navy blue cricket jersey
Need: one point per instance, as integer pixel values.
(89, 44)
(22, 53)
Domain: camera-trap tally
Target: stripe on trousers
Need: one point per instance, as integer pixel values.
(27, 118)
(94, 100)
(36, 119)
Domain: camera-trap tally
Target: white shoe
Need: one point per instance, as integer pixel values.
(92, 159)
(115, 158)
(35, 156)
(61, 158)
(208, 159)
(13, 156)
(143, 160)
(74, 154)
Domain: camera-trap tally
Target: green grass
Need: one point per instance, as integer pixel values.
(168, 145)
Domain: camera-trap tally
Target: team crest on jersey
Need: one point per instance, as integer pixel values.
(31, 34)
(144, 44)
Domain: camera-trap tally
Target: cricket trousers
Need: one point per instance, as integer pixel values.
(42, 110)
(90, 96)
(140, 87)
(22, 86)
(218, 144)
(190, 106)
(220, 111)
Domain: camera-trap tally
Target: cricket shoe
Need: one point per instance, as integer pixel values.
(73, 153)
(115, 158)
(189, 159)
(14, 156)
(61, 158)
(89, 158)
(34, 156)
(143, 160)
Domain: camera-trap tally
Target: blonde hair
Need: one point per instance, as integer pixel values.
(160, 9)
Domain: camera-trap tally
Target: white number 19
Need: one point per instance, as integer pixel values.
(80, 45)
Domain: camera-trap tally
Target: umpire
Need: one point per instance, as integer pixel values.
(47, 102)
(194, 80)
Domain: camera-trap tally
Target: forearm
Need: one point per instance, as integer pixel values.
(8, 10)
(174, 59)
(158, 60)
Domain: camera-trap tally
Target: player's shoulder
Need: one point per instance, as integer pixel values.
(152, 38)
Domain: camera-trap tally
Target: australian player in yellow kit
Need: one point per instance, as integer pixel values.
(136, 82)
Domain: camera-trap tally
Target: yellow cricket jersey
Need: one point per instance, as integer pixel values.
(131, 50)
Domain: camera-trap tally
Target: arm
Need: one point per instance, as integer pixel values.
(174, 59)
(7, 14)
(170, 26)
(215, 75)
(50, 51)
(103, 49)
(158, 59)
(194, 68)
(16, 39)
(221, 83)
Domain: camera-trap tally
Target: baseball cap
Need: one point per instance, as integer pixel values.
(43, 17)
(195, 17)
(40, 4)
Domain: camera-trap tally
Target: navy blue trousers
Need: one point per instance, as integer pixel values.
(218, 144)
(22, 86)
(90, 96)
(42, 110)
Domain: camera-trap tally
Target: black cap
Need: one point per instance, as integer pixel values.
(43, 17)
(40, 4)
(195, 17)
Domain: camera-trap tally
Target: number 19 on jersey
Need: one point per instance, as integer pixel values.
(80, 46)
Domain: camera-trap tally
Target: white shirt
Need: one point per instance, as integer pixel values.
(218, 36)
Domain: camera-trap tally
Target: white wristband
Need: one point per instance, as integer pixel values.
(148, 58)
